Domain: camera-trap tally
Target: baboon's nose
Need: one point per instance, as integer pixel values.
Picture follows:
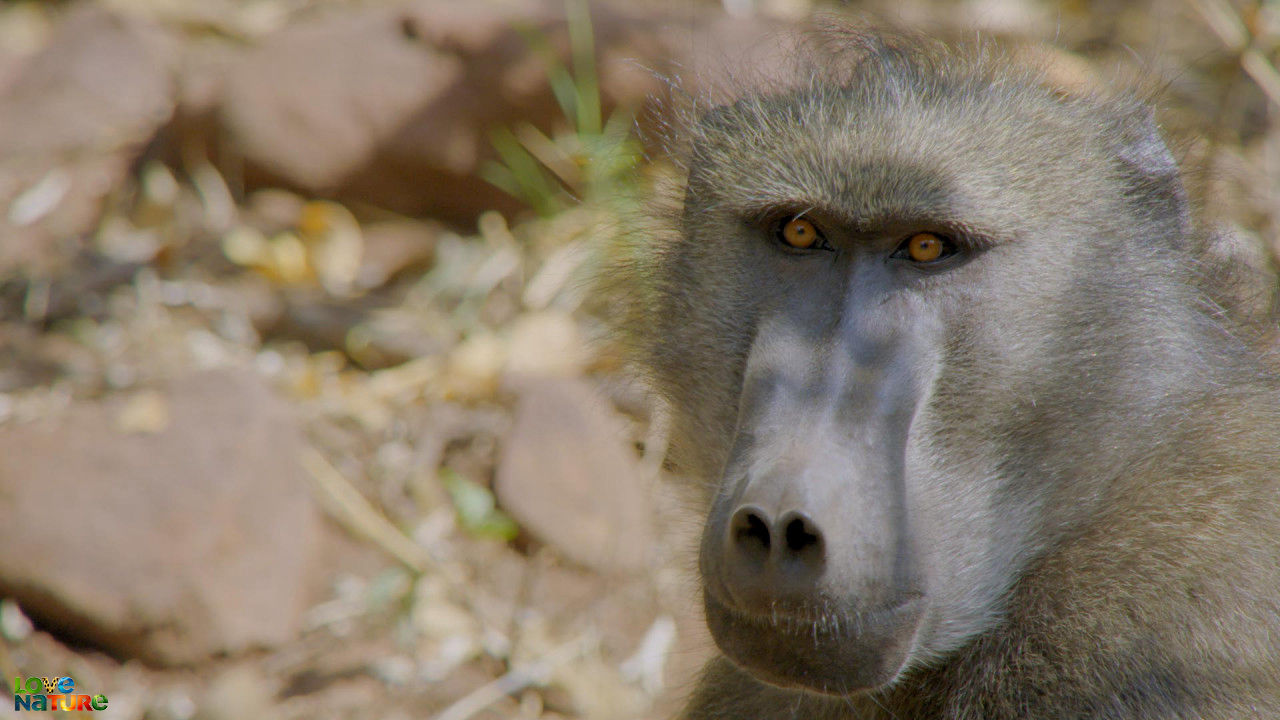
(771, 558)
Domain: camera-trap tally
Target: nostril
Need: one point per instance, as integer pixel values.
(757, 530)
(800, 533)
(751, 529)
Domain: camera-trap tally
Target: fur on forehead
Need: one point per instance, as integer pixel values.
(834, 65)
(790, 119)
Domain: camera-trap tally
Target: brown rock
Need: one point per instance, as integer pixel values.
(568, 476)
(315, 101)
(393, 247)
(191, 537)
(72, 119)
(392, 105)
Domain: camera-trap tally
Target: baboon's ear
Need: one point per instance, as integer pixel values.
(1152, 172)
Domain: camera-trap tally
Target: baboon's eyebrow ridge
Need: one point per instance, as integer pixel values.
(896, 196)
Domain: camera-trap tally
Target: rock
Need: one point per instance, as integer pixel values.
(392, 105)
(395, 247)
(193, 538)
(236, 694)
(314, 102)
(568, 476)
(72, 119)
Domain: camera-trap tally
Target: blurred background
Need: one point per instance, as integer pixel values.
(305, 411)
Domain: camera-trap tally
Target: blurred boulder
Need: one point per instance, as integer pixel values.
(73, 118)
(169, 527)
(393, 105)
(316, 102)
(569, 476)
(395, 247)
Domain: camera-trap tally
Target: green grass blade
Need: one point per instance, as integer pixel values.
(558, 76)
(583, 54)
(534, 185)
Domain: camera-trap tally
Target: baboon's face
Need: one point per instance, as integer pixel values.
(888, 389)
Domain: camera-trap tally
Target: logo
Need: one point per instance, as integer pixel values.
(56, 693)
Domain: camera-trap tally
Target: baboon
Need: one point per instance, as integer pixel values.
(978, 440)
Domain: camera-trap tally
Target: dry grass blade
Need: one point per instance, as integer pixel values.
(1224, 22)
(350, 508)
(515, 680)
(1227, 24)
(1263, 73)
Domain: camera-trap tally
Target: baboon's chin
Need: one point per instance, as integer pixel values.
(828, 653)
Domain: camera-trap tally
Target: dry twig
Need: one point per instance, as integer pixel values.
(530, 674)
(351, 509)
(1231, 29)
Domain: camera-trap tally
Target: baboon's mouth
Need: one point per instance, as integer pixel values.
(831, 652)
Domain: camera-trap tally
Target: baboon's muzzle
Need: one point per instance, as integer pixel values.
(809, 572)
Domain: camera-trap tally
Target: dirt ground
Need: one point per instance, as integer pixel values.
(306, 410)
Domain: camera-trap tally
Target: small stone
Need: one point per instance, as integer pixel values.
(14, 625)
(568, 476)
(74, 117)
(236, 694)
(146, 412)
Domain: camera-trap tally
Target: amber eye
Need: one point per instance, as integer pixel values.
(799, 233)
(925, 247)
